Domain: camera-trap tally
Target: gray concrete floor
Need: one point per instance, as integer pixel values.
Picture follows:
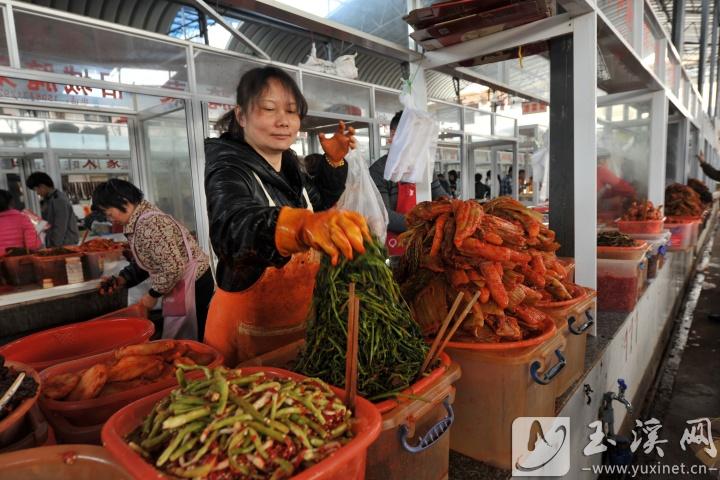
(689, 381)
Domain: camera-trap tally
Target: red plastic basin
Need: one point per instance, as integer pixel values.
(347, 463)
(640, 226)
(88, 462)
(61, 344)
(10, 425)
(96, 410)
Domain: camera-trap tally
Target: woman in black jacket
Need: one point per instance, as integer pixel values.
(268, 215)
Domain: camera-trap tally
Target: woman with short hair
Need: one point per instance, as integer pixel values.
(166, 252)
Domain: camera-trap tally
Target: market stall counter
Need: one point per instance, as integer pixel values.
(33, 310)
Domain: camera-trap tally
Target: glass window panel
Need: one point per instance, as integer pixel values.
(448, 116)
(386, 105)
(504, 126)
(620, 14)
(327, 95)
(167, 155)
(218, 75)
(4, 58)
(22, 133)
(650, 46)
(85, 51)
(623, 160)
(382, 18)
(478, 123)
(671, 79)
(91, 97)
(447, 167)
(675, 155)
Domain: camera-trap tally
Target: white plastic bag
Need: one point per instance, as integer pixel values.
(362, 196)
(345, 66)
(413, 147)
(318, 64)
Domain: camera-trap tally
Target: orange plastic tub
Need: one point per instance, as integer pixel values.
(414, 441)
(684, 232)
(61, 462)
(496, 387)
(66, 432)
(642, 226)
(574, 320)
(624, 253)
(348, 463)
(19, 270)
(133, 311)
(11, 425)
(61, 344)
(52, 267)
(34, 432)
(415, 437)
(94, 411)
(549, 331)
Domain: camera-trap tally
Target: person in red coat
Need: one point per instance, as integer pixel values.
(16, 229)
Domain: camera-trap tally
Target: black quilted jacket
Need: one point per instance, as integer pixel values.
(242, 223)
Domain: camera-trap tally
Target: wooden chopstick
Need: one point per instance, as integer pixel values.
(351, 350)
(356, 341)
(440, 333)
(457, 324)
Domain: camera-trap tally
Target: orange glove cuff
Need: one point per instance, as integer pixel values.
(287, 232)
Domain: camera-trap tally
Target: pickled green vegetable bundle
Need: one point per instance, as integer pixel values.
(229, 425)
(391, 347)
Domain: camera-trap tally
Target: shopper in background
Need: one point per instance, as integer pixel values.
(708, 169)
(506, 183)
(56, 209)
(163, 250)
(453, 181)
(268, 217)
(482, 191)
(443, 181)
(16, 229)
(399, 198)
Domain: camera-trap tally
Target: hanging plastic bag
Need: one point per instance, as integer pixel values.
(362, 196)
(413, 147)
(345, 66)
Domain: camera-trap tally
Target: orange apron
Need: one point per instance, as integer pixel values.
(269, 314)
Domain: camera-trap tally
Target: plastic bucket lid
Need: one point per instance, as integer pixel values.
(578, 295)
(56, 345)
(348, 462)
(61, 462)
(549, 330)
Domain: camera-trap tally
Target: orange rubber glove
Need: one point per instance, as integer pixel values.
(337, 146)
(331, 231)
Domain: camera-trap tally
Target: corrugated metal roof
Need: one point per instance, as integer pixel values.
(282, 43)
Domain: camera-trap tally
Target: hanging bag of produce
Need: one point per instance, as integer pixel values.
(362, 196)
(413, 147)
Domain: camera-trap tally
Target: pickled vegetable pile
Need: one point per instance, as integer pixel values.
(227, 425)
(28, 388)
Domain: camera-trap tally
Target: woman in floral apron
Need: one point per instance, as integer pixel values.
(163, 250)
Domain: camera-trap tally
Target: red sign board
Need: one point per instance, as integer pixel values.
(533, 107)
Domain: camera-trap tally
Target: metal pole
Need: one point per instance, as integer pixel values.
(210, 12)
(678, 23)
(713, 55)
(703, 44)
